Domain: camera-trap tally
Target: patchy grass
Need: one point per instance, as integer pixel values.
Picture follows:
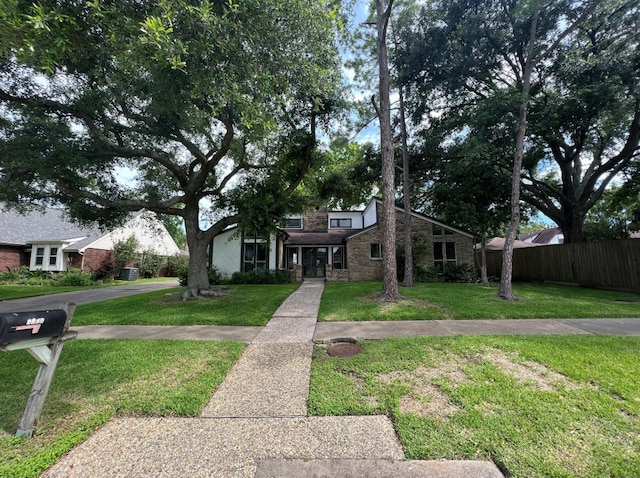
(240, 305)
(562, 406)
(97, 379)
(356, 301)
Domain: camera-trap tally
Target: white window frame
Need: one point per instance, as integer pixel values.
(372, 247)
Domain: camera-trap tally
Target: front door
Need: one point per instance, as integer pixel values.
(313, 261)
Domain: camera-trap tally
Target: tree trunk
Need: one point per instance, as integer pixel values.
(573, 224)
(483, 260)
(198, 241)
(506, 290)
(406, 192)
(390, 277)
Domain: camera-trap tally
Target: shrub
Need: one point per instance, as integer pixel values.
(75, 277)
(425, 274)
(150, 264)
(124, 252)
(460, 273)
(260, 277)
(177, 265)
(215, 277)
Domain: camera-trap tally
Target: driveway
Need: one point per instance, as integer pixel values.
(54, 301)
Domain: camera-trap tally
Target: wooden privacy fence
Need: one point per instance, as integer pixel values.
(608, 264)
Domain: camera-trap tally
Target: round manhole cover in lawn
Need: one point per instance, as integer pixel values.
(344, 350)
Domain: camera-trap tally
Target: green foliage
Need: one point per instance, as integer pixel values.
(615, 216)
(177, 266)
(194, 98)
(462, 66)
(212, 273)
(260, 277)
(425, 274)
(125, 252)
(150, 264)
(460, 273)
(76, 278)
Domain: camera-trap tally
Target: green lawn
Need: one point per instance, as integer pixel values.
(355, 301)
(242, 305)
(560, 406)
(97, 379)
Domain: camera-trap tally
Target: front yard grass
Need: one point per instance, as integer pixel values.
(97, 379)
(251, 305)
(356, 301)
(552, 406)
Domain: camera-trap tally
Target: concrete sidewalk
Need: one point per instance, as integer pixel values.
(256, 424)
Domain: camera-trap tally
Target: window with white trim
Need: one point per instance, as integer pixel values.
(340, 223)
(376, 250)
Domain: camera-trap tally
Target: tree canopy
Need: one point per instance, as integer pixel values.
(207, 105)
(463, 64)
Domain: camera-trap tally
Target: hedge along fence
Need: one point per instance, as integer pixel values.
(608, 264)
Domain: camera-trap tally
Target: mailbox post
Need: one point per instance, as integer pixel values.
(43, 334)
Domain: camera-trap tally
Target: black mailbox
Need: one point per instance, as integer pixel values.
(20, 326)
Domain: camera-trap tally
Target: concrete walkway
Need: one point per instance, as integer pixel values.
(256, 424)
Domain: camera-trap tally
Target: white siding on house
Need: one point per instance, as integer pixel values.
(226, 252)
(355, 216)
(148, 231)
(369, 215)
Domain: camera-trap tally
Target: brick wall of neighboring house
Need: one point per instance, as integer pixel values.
(316, 220)
(96, 259)
(12, 258)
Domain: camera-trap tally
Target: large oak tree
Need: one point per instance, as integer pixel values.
(209, 106)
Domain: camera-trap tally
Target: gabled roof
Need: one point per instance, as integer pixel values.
(497, 244)
(48, 225)
(428, 218)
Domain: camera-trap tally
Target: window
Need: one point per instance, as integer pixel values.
(39, 256)
(337, 257)
(344, 223)
(53, 256)
(441, 231)
(292, 257)
(254, 256)
(293, 223)
(376, 251)
(444, 253)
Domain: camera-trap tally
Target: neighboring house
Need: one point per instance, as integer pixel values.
(552, 235)
(497, 244)
(47, 240)
(338, 245)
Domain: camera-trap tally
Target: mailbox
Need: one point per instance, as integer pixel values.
(21, 326)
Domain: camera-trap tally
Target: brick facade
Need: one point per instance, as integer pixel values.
(362, 267)
(316, 220)
(12, 258)
(96, 260)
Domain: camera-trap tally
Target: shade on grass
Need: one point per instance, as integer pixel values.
(241, 305)
(97, 379)
(356, 301)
